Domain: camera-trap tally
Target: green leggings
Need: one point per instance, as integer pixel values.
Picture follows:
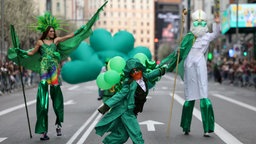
(42, 105)
(206, 114)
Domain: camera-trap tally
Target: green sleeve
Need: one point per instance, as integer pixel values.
(30, 62)
(120, 95)
(153, 74)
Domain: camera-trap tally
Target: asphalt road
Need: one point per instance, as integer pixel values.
(234, 110)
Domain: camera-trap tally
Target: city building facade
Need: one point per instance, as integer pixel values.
(134, 16)
(71, 10)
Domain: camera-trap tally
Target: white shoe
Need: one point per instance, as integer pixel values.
(206, 135)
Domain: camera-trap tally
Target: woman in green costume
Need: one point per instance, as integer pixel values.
(49, 75)
(121, 120)
(45, 58)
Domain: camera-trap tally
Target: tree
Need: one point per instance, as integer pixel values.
(20, 14)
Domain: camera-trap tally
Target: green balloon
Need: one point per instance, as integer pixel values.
(142, 57)
(140, 49)
(102, 83)
(112, 77)
(116, 63)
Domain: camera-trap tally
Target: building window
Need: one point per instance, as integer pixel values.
(58, 7)
(134, 23)
(49, 5)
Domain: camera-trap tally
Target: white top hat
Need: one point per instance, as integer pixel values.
(199, 15)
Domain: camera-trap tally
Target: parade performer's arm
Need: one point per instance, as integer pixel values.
(215, 29)
(35, 49)
(156, 72)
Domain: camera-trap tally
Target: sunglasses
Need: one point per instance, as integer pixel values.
(201, 23)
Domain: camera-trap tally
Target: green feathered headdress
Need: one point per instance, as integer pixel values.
(46, 20)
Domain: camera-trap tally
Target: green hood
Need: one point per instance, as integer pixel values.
(131, 64)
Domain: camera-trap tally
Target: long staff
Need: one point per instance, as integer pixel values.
(184, 12)
(16, 44)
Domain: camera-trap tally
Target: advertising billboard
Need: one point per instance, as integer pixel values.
(246, 17)
(168, 26)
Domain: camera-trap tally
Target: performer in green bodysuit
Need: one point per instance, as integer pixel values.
(45, 58)
(121, 120)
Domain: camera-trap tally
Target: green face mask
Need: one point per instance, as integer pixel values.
(201, 23)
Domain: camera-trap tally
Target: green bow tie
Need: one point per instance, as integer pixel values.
(201, 23)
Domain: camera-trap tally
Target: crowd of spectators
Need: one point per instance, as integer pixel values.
(10, 78)
(237, 72)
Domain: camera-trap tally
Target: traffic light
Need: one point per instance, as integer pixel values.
(244, 48)
(245, 53)
(210, 56)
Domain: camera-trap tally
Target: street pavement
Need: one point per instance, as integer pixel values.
(234, 109)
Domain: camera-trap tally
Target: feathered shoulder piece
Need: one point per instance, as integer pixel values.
(46, 20)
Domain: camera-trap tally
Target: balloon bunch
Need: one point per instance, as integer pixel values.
(112, 76)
